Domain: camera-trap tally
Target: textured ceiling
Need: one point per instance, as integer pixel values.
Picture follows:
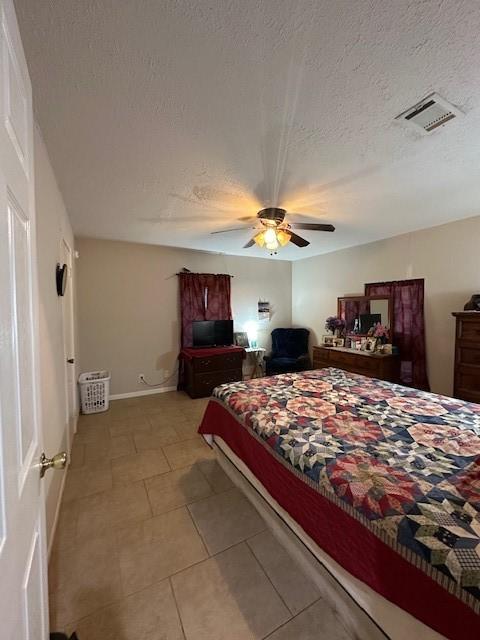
(166, 120)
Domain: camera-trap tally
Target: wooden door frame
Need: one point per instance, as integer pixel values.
(71, 402)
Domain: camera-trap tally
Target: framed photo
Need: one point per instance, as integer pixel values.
(241, 339)
(371, 344)
(339, 342)
(327, 341)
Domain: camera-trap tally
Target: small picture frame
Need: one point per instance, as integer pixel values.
(241, 339)
(355, 342)
(339, 342)
(371, 344)
(327, 341)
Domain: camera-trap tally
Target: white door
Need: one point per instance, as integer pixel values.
(69, 343)
(23, 566)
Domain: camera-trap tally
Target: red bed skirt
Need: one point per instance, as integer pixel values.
(343, 537)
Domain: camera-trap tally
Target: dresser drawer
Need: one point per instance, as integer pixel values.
(321, 357)
(467, 382)
(339, 358)
(204, 383)
(385, 367)
(216, 363)
(354, 361)
(372, 365)
(468, 396)
(469, 330)
(320, 363)
(468, 355)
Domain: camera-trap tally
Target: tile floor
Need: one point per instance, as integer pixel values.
(155, 543)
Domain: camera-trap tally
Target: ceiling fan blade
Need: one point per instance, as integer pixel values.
(171, 219)
(228, 230)
(299, 241)
(312, 227)
(249, 244)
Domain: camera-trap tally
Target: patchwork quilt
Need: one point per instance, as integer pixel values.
(405, 463)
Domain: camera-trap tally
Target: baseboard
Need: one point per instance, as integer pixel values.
(147, 392)
(57, 513)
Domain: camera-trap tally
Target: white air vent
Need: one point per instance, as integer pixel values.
(432, 112)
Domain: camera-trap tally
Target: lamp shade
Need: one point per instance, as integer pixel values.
(283, 237)
(260, 239)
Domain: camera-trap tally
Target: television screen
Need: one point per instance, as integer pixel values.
(210, 333)
(203, 333)
(223, 333)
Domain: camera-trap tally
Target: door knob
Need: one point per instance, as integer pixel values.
(57, 462)
(71, 360)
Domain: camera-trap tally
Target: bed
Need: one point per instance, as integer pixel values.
(380, 482)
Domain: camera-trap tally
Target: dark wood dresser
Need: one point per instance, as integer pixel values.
(205, 369)
(466, 385)
(374, 365)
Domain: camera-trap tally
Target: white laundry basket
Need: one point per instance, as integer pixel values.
(94, 391)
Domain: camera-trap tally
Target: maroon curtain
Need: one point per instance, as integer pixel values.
(192, 306)
(203, 296)
(408, 327)
(218, 298)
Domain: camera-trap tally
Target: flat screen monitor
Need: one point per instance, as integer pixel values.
(223, 333)
(212, 333)
(203, 333)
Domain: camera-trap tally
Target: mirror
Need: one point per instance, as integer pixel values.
(363, 312)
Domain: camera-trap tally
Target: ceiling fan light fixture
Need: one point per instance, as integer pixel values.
(283, 237)
(260, 239)
(275, 232)
(270, 236)
(272, 246)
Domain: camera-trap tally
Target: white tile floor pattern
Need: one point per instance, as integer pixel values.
(155, 543)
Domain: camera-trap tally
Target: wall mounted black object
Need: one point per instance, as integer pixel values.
(61, 278)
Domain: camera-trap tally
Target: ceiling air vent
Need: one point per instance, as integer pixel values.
(429, 114)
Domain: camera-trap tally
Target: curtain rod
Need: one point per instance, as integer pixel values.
(194, 273)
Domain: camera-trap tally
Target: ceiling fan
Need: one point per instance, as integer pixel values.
(275, 232)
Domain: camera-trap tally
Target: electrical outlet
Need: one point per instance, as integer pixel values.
(141, 378)
(166, 374)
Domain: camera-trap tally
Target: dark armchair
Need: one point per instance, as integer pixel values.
(289, 352)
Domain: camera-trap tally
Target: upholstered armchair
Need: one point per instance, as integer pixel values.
(289, 352)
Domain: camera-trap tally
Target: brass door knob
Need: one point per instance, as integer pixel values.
(57, 462)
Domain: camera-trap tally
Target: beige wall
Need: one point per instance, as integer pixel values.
(128, 304)
(52, 227)
(448, 257)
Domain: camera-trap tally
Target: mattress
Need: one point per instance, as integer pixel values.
(384, 479)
